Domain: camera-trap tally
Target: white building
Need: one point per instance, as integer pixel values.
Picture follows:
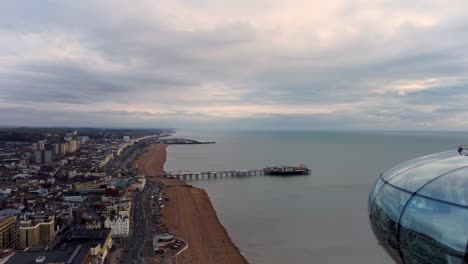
(120, 226)
(72, 145)
(126, 138)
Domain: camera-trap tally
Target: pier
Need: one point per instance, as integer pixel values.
(187, 175)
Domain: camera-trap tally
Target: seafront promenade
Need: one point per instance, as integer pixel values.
(188, 214)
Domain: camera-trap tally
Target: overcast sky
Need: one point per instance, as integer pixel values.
(256, 64)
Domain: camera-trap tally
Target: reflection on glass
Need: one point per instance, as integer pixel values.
(417, 162)
(378, 184)
(452, 188)
(419, 214)
(385, 214)
(415, 178)
(433, 232)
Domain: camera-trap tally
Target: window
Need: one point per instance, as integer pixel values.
(452, 187)
(416, 162)
(386, 211)
(433, 232)
(377, 186)
(415, 178)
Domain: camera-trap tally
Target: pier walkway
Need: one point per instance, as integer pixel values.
(188, 175)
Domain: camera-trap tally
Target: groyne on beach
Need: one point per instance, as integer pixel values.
(189, 215)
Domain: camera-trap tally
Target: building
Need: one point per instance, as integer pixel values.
(8, 232)
(80, 247)
(120, 226)
(71, 133)
(41, 145)
(74, 197)
(9, 211)
(87, 187)
(43, 156)
(38, 156)
(38, 231)
(63, 148)
(93, 224)
(72, 146)
(35, 146)
(126, 138)
(48, 156)
(99, 242)
(69, 255)
(418, 210)
(83, 139)
(161, 241)
(139, 184)
(56, 149)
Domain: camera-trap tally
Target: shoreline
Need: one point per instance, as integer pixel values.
(189, 214)
(225, 230)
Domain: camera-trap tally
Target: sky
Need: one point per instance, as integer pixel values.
(257, 64)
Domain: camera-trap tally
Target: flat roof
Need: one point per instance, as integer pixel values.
(9, 211)
(51, 256)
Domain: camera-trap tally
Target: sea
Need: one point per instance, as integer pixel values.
(320, 218)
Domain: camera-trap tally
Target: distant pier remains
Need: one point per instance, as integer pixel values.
(187, 175)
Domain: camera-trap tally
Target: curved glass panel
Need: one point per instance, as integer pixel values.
(385, 213)
(417, 162)
(413, 179)
(452, 188)
(378, 184)
(433, 232)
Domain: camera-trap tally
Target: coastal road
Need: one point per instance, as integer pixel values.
(130, 243)
(146, 249)
(135, 242)
(139, 244)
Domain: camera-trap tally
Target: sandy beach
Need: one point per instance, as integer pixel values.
(151, 162)
(190, 216)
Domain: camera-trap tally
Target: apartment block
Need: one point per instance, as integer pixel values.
(37, 231)
(8, 232)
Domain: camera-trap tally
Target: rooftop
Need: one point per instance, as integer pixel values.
(72, 255)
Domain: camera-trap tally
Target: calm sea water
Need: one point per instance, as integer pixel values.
(321, 218)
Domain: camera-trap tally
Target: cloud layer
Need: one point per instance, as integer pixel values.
(338, 64)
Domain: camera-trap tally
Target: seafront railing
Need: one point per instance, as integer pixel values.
(188, 175)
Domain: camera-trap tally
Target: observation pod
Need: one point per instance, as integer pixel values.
(418, 210)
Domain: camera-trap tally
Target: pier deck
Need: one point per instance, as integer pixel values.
(188, 175)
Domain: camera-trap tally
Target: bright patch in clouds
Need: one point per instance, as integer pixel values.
(338, 64)
(405, 87)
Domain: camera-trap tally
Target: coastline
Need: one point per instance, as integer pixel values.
(151, 161)
(189, 214)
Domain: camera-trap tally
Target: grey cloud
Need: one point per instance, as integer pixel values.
(161, 62)
(450, 96)
(72, 83)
